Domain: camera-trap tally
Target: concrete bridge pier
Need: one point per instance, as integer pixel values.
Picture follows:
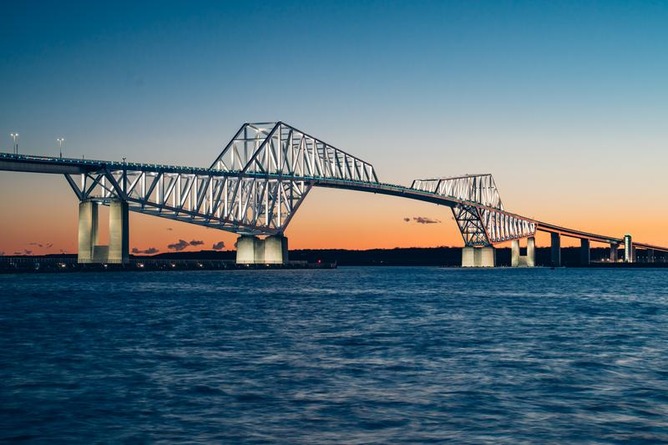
(614, 252)
(555, 249)
(88, 231)
(253, 250)
(90, 251)
(585, 258)
(119, 230)
(478, 256)
(519, 260)
(629, 254)
(650, 255)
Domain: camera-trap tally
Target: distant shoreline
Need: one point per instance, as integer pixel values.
(304, 259)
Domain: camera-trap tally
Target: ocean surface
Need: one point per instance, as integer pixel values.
(345, 356)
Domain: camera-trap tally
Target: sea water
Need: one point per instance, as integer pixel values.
(352, 355)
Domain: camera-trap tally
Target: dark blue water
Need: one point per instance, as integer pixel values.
(354, 355)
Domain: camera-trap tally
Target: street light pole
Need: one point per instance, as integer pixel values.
(15, 136)
(60, 146)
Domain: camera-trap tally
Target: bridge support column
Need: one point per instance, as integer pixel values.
(90, 251)
(88, 231)
(650, 255)
(629, 254)
(519, 260)
(613, 252)
(276, 250)
(584, 252)
(271, 250)
(556, 249)
(246, 249)
(478, 256)
(531, 252)
(119, 251)
(515, 253)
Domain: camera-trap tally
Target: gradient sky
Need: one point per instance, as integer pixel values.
(566, 103)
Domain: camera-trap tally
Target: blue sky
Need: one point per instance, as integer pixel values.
(562, 101)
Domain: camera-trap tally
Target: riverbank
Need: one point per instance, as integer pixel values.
(308, 259)
(68, 264)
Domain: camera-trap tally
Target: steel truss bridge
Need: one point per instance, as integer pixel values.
(259, 180)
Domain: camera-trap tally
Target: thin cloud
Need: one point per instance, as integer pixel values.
(41, 245)
(425, 220)
(182, 244)
(170, 229)
(407, 219)
(27, 252)
(196, 242)
(220, 245)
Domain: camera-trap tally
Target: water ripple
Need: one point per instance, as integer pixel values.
(353, 355)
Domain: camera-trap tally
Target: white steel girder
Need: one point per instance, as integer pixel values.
(246, 205)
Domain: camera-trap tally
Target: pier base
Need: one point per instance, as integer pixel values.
(246, 249)
(253, 250)
(585, 257)
(629, 251)
(119, 243)
(650, 256)
(519, 260)
(556, 250)
(90, 251)
(88, 231)
(478, 257)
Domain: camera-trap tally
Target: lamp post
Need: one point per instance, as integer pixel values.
(60, 146)
(15, 136)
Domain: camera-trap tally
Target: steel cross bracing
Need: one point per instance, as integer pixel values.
(253, 187)
(480, 215)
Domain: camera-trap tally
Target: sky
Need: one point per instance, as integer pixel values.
(564, 102)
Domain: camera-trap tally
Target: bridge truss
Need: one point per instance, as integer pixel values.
(262, 176)
(254, 187)
(479, 211)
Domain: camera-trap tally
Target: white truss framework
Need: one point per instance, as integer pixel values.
(480, 189)
(479, 215)
(502, 226)
(278, 148)
(246, 205)
(253, 187)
